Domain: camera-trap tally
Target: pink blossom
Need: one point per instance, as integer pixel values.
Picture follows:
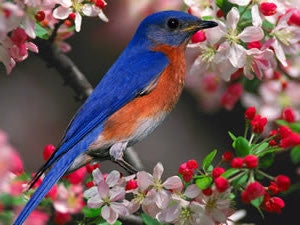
(109, 196)
(69, 200)
(67, 7)
(37, 218)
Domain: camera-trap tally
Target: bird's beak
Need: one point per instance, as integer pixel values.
(199, 25)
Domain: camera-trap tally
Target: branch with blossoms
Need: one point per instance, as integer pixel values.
(201, 194)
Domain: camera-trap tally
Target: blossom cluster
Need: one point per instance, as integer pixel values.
(253, 55)
(23, 21)
(200, 194)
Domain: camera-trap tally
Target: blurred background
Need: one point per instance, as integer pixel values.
(36, 108)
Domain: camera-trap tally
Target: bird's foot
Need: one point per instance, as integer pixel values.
(125, 165)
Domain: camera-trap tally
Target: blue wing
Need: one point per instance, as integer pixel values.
(128, 77)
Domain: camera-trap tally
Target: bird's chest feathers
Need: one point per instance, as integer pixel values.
(143, 114)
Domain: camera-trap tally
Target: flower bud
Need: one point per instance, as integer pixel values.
(227, 157)
(222, 184)
(251, 161)
(199, 36)
(192, 164)
(237, 163)
(217, 172)
(132, 184)
(268, 8)
(40, 16)
(48, 150)
(283, 182)
(250, 113)
(288, 115)
(258, 124)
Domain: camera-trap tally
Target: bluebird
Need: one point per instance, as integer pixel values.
(131, 100)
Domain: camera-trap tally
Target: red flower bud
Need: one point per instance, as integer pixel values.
(250, 113)
(272, 143)
(221, 184)
(72, 16)
(283, 182)
(68, 23)
(90, 184)
(273, 188)
(254, 190)
(288, 115)
(100, 4)
(290, 141)
(276, 75)
(48, 150)
(132, 184)
(52, 193)
(61, 218)
(237, 163)
(220, 13)
(40, 16)
(295, 18)
(284, 131)
(231, 95)
(192, 164)
(90, 168)
(268, 9)
(227, 157)
(254, 44)
(207, 191)
(199, 36)
(186, 172)
(273, 204)
(258, 124)
(217, 172)
(251, 161)
(77, 176)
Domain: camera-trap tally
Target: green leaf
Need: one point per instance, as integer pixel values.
(260, 148)
(149, 220)
(233, 137)
(266, 161)
(106, 223)
(257, 202)
(269, 151)
(6, 217)
(242, 147)
(90, 212)
(208, 159)
(210, 168)
(267, 25)
(207, 17)
(251, 85)
(295, 155)
(228, 173)
(224, 5)
(41, 32)
(204, 182)
(241, 180)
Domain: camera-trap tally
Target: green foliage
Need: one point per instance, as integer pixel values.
(204, 182)
(8, 200)
(233, 137)
(267, 160)
(41, 32)
(149, 220)
(230, 172)
(6, 217)
(241, 146)
(295, 155)
(208, 159)
(251, 85)
(267, 25)
(90, 212)
(224, 5)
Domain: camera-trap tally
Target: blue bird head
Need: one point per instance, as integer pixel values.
(171, 28)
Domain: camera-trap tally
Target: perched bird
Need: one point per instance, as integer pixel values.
(131, 100)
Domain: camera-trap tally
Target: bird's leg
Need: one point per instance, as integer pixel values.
(116, 152)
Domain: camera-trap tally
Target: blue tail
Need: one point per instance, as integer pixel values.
(57, 171)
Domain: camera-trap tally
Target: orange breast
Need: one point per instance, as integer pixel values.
(161, 99)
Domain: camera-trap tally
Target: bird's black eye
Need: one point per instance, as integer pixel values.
(173, 23)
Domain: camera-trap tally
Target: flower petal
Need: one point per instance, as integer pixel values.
(162, 199)
(144, 180)
(97, 176)
(103, 189)
(169, 214)
(61, 12)
(279, 52)
(29, 26)
(158, 171)
(93, 191)
(78, 20)
(65, 3)
(240, 2)
(95, 202)
(117, 194)
(173, 182)
(251, 33)
(232, 18)
(237, 55)
(119, 208)
(102, 16)
(256, 19)
(113, 178)
(192, 191)
(109, 215)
